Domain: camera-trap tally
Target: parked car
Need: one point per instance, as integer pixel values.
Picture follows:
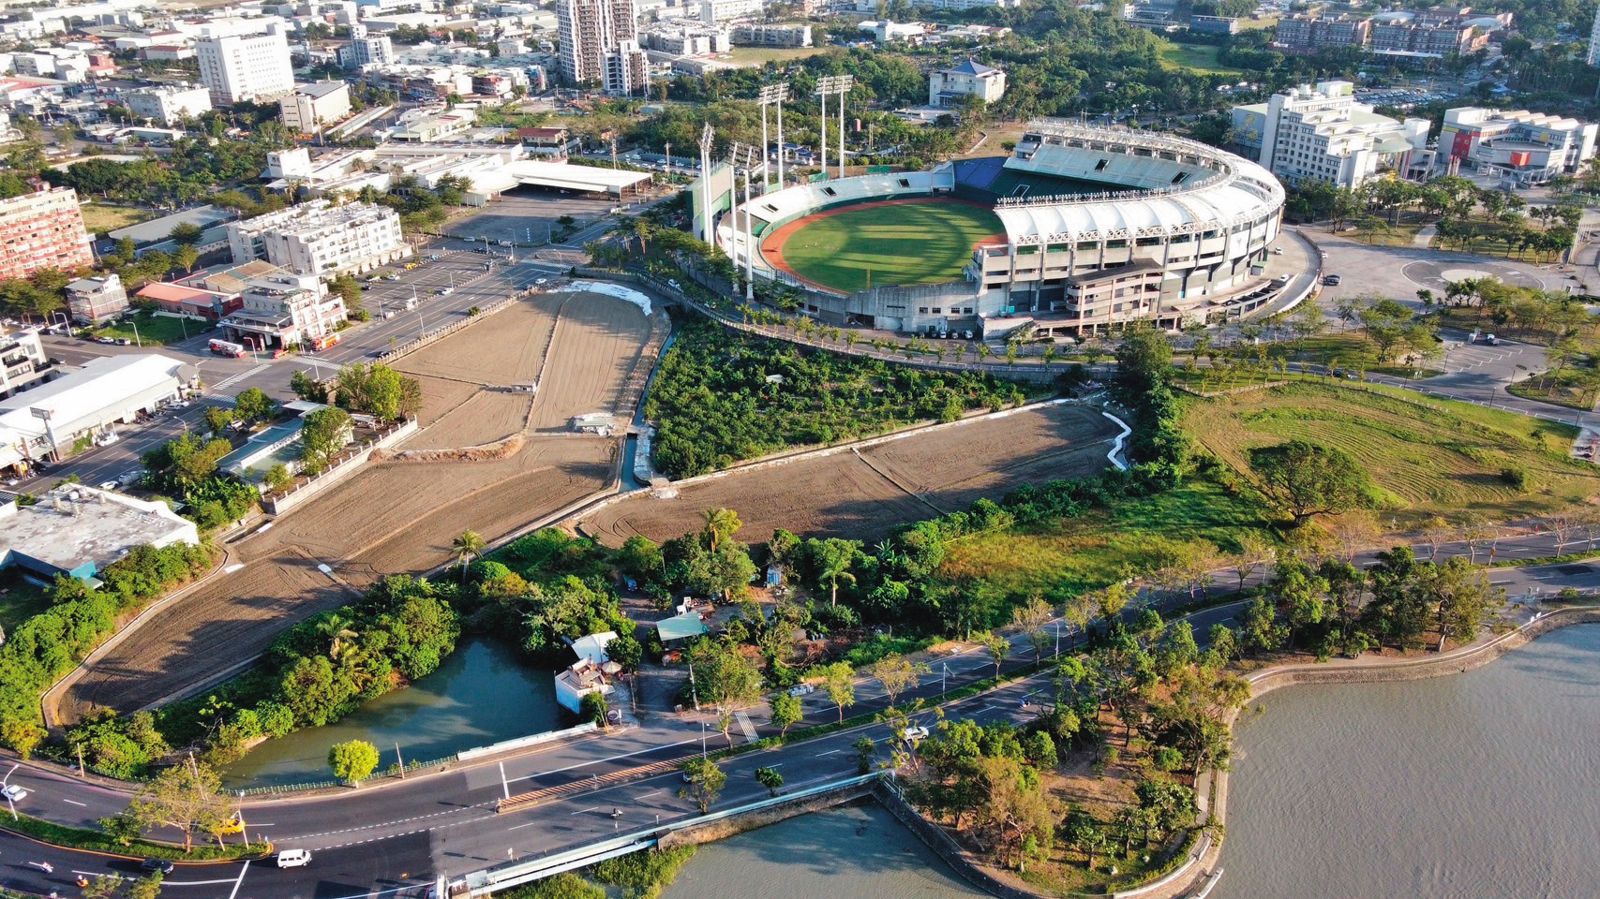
(108, 485)
(294, 858)
(1331, 280)
(801, 689)
(914, 733)
(446, 291)
(157, 866)
(13, 793)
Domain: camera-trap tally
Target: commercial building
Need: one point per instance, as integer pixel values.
(93, 300)
(321, 239)
(759, 35)
(40, 422)
(969, 78)
(77, 531)
(284, 309)
(170, 104)
(427, 126)
(313, 105)
(600, 46)
(1321, 133)
(366, 49)
(1518, 147)
(966, 4)
(23, 361)
(1407, 34)
(237, 68)
(42, 230)
(1311, 32)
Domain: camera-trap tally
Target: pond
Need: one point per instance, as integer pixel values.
(483, 693)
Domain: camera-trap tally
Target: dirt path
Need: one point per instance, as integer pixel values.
(398, 517)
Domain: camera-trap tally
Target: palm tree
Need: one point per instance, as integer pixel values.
(639, 228)
(336, 628)
(720, 525)
(467, 546)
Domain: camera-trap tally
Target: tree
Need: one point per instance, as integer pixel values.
(467, 546)
(185, 797)
(770, 778)
(1306, 479)
(833, 558)
(185, 257)
(895, 673)
(146, 887)
(1464, 599)
(326, 431)
(352, 761)
(1254, 552)
(105, 886)
(278, 477)
(1386, 321)
(839, 680)
(252, 406)
(723, 676)
(703, 784)
(996, 645)
(1032, 617)
(787, 711)
(218, 419)
(720, 526)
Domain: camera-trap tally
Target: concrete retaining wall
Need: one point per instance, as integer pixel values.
(727, 827)
(937, 839)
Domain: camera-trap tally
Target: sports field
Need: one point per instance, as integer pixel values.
(920, 241)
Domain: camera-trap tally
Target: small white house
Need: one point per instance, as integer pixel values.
(586, 675)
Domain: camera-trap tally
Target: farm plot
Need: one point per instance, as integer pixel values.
(485, 417)
(394, 517)
(509, 349)
(867, 495)
(596, 346)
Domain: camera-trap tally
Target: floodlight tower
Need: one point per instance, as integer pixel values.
(833, 84)
(770, 94)
(743, 157)
(707, 138)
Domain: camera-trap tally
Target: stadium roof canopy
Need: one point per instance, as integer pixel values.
(582, 178)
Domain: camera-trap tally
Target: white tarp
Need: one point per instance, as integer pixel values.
(609, 289)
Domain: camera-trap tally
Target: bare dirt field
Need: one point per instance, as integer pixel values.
(396, 516)
(867, 495)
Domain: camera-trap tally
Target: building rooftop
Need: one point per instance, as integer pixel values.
(678, 627)
(99, 383)
(157, 230)
(970, 66)
(72, 525)
(321, 89)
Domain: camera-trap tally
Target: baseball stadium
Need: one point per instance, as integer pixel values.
(1080, 229)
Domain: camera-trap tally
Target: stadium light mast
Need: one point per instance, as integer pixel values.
(833, 84)
(707, 138)
(743, 157)
(770, 94)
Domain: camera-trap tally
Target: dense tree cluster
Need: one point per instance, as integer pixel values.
(721, 397)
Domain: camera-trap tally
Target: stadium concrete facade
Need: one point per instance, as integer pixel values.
(1103, 226)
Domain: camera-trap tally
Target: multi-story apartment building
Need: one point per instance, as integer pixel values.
(1520, 148)
(687, 37)
(42, 230)
(729, 10)
(23, 361)
(758, 35)
(237, 68)
(968, 78)
(318, 238)
(313, 105)
(93, 300)
(1402, 34)
(600, 45)
(366, 49)
(283, 309)
(1321, 133)
(1310, 32)
(168, 104)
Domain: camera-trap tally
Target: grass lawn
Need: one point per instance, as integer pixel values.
(926, 242)
(1095, 550)
(1427, 456)
(1565, 388)
(757, 56)
(20, 600)
(153, 330)
(1200, 59)
(98, 218)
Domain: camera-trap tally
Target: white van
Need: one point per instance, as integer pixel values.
(294, 858)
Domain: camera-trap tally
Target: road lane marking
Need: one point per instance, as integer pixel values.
(237, 883)
(829, 752)
(76, 803)
(520, 826)
(582, 810)
(604, 760)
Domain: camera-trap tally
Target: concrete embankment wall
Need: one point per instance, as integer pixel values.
(712, 831)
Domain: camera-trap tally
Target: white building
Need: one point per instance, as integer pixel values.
(86, 403)
(366, 49)
(237, 68)
(167, 105)
(588, 674)
(313, 105)
(23, 360)
(77, 530)
(96, 299)
(730, 10)
(318, 238)
(969, 78)
(1321, 133)
(283, 309)
(1519, 147)
(686, 37)
(767, 35)
(600, 46)
(967, 4)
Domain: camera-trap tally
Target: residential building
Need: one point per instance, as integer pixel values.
(38, 422)
(237, 68)
(93, 300)
(284, 309)
(23, 360)
(169, 104)
(427, 126)
(1213, 24)
(366, 49)
(969, 78)
(759, 35)
(1321, 133)
(714, 11)
(1407, 34)
(78, 530)
(1311, 32)
(1519, 147)
(687, 37)
(313, 105)
(41, 230)
(589, 673)
(600, 46)
(320, 239)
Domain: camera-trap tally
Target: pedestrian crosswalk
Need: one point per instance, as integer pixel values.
(231, 380)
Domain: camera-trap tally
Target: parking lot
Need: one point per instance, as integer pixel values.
(528, 218)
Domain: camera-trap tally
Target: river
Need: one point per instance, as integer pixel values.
(481, 694)
(1480, 784)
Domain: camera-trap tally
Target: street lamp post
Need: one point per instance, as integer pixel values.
(136, 341)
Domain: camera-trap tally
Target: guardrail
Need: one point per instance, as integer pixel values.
(525, 742)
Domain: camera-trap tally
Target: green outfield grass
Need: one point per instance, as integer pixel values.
(924, 242)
